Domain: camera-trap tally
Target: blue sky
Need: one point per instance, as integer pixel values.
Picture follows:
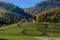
(24, 3)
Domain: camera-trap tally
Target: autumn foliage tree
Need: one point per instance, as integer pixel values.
(52, 15)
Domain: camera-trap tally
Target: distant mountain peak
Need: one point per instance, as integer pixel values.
(44, 5)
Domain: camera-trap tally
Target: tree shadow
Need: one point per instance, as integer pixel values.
(3, 39)
(19, 25)
(46, 26)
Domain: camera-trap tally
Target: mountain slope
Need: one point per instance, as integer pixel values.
(44, 5)
(9, 13)
(13, 8)
(51, 15)
(8, 17)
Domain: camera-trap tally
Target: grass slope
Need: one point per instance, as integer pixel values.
(16, 37)
(30, 29)
(13, 32)
(51, 29)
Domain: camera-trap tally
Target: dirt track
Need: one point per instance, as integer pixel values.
(46, 38)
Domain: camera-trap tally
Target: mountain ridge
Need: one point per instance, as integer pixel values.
(44, 5)
(9, 13)
(11, 7)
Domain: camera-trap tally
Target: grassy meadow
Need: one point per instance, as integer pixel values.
(27, 31)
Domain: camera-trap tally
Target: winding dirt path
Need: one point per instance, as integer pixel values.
(47, 38)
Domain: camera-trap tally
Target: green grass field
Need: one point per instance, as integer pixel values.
(26, 31)
(6, 37)
(52, 29)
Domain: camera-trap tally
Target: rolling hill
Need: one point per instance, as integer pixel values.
(32, 29)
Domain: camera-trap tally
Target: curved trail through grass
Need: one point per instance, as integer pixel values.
(47, 38)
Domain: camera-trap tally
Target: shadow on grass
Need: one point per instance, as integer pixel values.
(3, 39)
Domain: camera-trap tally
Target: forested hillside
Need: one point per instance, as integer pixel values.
(52, 15)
